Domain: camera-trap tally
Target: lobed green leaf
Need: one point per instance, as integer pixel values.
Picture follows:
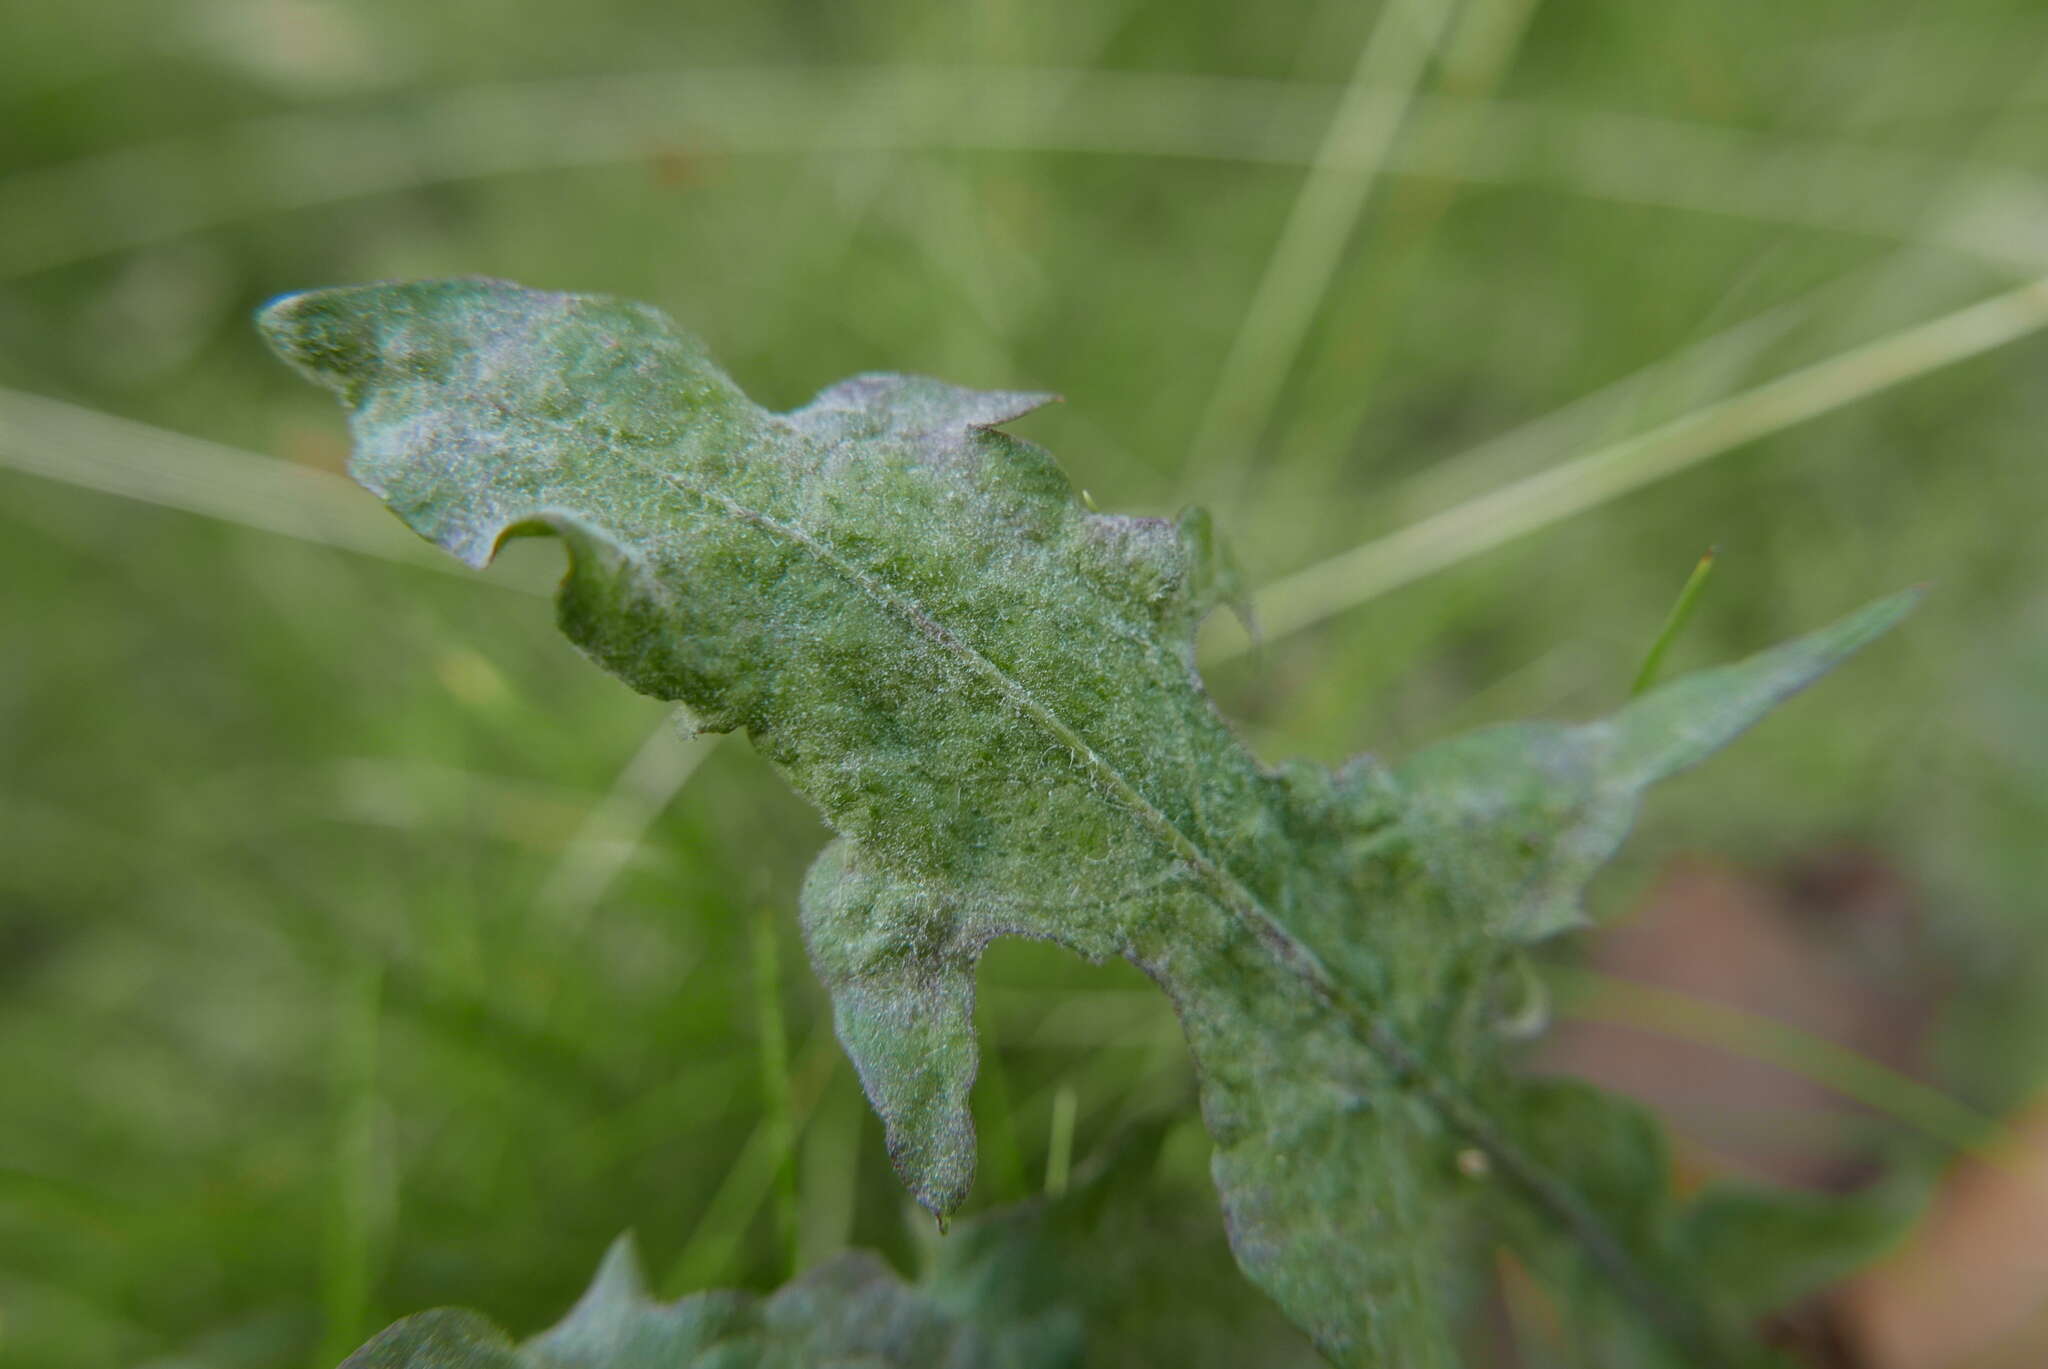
(850, 1310)
(988, 689)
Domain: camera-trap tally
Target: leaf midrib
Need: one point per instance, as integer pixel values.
(1379, 1038)
(1227, 886)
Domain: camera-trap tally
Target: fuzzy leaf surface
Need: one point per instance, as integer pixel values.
(989, 691)
(851, 1310)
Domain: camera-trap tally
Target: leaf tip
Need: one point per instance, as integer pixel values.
(1874, 620)
(316, 335)
(1007, 406)
(620, 1278)
(440, 1337)
(1676, 726)
(347, 337)
(936, 1169)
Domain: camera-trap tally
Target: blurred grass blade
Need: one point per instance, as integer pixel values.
(96, 451)
(1483, 47)
(1590, 996)
(1674, 622)
(152, 192)
(778, 1092)
(1697, 373)
(1476, 57)
(862, 186)
(362, 1196)
(995, 1114)
(1351, 578)
(713, 1246)
(829, 1176)
(1348, 162)
(618, 824)
(1059, 1150)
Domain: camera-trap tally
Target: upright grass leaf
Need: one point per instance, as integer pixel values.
(989, 691)
(1674, 622)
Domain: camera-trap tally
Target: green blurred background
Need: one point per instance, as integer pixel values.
(363, 949)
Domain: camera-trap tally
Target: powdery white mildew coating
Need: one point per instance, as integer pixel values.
(988, 689)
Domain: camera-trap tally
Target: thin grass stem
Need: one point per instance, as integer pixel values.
(155, 192)
(1492, 520)
(1591, 996)
(778, 1098)
(96, 451)
(616, 826)
(1059, 1151)
(829, 1175)
(750, 1179)
(1348, 162)
(360, 1202)
(1674, 623)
